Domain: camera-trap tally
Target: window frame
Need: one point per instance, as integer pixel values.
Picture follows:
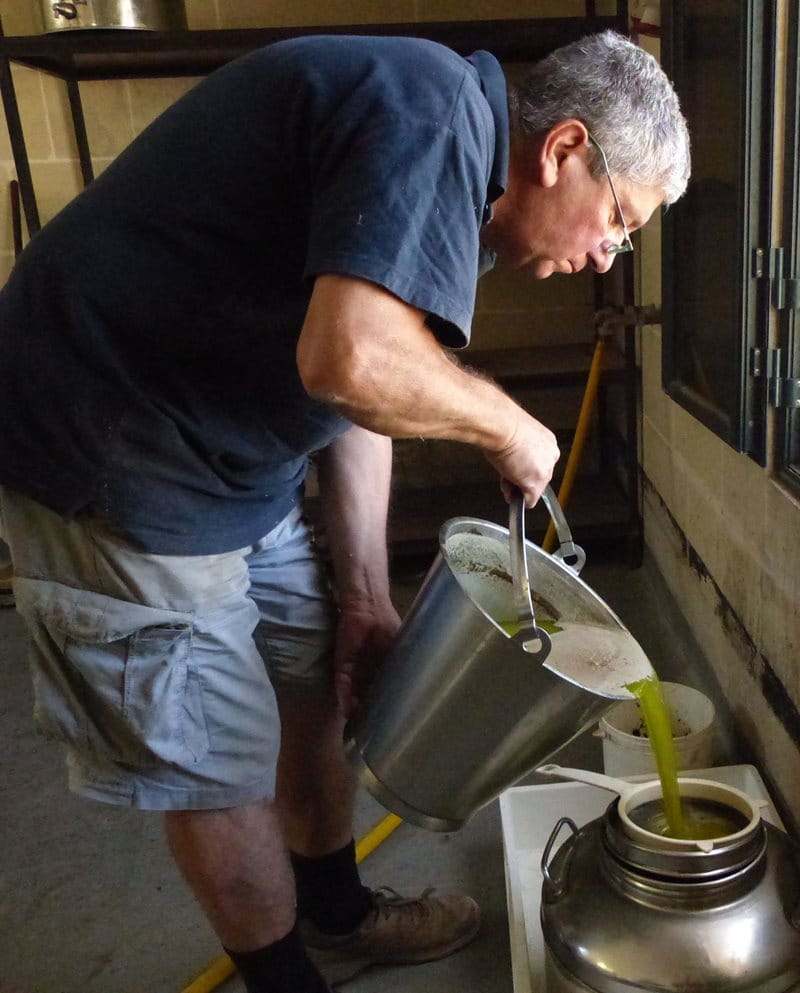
(741, 419)
(787, 424)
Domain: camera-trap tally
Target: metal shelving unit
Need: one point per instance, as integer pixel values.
(91, 55)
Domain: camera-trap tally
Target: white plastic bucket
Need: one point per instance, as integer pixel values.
(626, 747)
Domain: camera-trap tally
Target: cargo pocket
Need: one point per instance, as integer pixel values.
(112, 677)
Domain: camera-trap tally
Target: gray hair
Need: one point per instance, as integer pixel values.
(624, 98)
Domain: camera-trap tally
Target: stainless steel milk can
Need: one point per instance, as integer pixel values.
(619, 915)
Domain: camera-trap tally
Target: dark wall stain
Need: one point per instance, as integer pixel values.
(758, 665)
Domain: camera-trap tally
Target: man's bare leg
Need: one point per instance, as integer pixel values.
(346, 928)
(316, 785)
(236, 863)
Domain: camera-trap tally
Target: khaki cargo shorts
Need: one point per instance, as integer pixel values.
(156, 671)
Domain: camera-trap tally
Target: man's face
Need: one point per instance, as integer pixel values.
(555, 217)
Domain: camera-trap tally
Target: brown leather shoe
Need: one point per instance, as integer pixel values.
(396, 931)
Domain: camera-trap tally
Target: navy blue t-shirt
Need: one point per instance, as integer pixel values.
(148, 332)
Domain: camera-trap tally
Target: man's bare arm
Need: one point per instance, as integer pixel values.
(371, 356)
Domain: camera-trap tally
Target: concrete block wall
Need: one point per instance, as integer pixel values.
(511, 309)
(725, 533)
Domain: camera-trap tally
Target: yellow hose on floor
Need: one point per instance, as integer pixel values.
(223, 968)
(376, 836)
(578, 442)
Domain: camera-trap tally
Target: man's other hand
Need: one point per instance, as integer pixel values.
(364, 635)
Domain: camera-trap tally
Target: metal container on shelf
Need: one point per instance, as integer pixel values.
(620, 914)
(138, 15)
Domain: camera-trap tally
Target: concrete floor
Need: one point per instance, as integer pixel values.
(89, 899)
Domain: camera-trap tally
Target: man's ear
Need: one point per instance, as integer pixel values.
(568, 137)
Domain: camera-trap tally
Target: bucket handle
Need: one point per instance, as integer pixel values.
(555, 888)
(572, 555)
(532, 638)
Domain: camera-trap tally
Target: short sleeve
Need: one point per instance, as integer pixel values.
(399, 202)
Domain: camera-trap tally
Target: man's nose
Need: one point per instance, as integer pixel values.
(601, 261)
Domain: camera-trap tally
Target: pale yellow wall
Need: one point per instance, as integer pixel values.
(511, 310)
(726, 536)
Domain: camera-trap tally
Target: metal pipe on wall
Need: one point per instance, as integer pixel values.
(608, 322)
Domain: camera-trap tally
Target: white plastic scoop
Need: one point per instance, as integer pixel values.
(632, 795)
(611, 783)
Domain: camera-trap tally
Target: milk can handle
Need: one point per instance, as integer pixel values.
(556, 887)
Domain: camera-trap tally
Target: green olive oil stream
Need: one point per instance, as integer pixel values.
(673, 820)
(676, 821)
(659, 732)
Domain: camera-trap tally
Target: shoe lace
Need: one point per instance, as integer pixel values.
(385, 899)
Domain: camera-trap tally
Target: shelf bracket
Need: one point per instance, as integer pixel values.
(17, 138)
(79, 125)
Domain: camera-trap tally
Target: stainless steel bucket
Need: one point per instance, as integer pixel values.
(142, 15)
(460, 711)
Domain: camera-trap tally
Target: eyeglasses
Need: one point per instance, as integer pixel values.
(627, 244)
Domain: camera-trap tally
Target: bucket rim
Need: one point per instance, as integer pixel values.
(458, 525)
(489, 529)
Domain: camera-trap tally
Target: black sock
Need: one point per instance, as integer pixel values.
(329, 890)
(283, 967)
